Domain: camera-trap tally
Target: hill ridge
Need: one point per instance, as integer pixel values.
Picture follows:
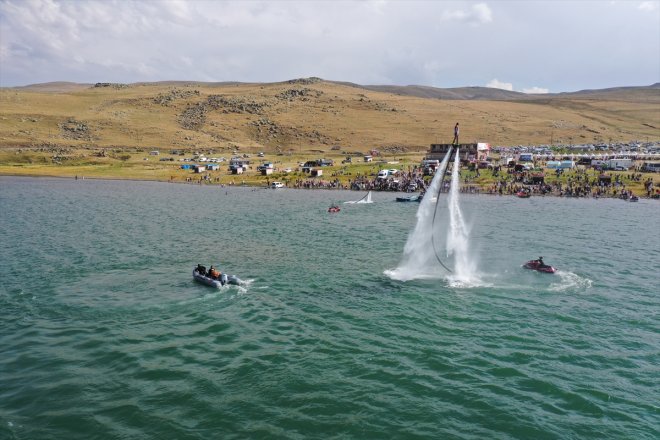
(416, 90)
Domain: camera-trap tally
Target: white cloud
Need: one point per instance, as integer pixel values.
(482, 13)
(477, 14)
(538, 90)
(496, 84)
(648, 6)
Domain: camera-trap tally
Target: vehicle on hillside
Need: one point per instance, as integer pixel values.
(265, 166)
(619, 164)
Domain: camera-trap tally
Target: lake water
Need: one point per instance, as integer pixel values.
(104, 334)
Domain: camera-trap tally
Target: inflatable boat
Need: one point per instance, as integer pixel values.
(213, 282)
(414, 198)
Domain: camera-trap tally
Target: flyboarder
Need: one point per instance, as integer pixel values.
(455, 141)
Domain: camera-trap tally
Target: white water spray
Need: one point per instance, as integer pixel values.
(365, 199)
(419, 259)
(458, 235)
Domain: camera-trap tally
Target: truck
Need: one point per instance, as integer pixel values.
(653, 167)
(619, 164)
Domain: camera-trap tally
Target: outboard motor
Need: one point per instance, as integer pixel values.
(223, 279)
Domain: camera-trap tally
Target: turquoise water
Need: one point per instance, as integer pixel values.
(104, 334)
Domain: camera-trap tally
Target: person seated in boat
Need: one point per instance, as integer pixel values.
(213, 273)
(201, 269)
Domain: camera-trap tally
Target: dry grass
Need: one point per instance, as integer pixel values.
(330, 114)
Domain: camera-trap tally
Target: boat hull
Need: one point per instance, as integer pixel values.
(534, 265)
(409, 199)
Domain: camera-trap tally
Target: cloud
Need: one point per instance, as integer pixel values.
(495, 84)
(447, 43)
(477, 14)
(538, 90)
(648, 6)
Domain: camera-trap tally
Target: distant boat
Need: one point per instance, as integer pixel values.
(365, 199)
(539, 266)
(334, 208)
(415, 198)
(215, 282)
(523, 194)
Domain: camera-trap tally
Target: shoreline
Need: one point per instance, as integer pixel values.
(224, 185)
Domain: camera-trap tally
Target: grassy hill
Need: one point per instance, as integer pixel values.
(311, 114)
(107, 130)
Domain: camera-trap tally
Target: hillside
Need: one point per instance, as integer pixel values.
(313, 114)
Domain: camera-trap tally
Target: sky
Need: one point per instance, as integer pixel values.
(527, 46)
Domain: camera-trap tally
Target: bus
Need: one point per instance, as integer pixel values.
(653, 167)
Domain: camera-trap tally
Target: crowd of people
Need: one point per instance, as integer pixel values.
(576, 182)
(401, 181)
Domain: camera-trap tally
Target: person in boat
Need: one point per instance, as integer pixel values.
(213, 273)
(540, 261)
(201, 269)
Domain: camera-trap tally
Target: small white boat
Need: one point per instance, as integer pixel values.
(365, 199)
(217, 283)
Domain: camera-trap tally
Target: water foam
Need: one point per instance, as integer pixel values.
(365, 199)
(458, 234)
(419, 260)
(569, 281)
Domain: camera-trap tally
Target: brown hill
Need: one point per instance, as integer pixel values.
(313, 114)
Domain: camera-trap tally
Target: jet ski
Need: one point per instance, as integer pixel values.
(539, 266)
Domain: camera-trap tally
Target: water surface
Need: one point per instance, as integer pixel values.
(104, 334)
